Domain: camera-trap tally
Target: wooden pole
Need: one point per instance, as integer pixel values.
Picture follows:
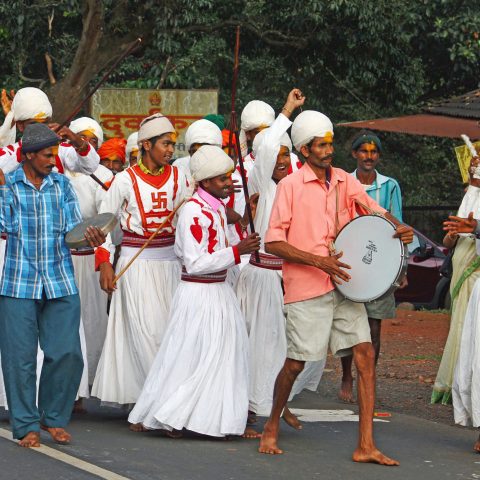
(234, 132)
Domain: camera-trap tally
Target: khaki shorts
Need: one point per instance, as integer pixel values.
(383, 307)
(331, 319)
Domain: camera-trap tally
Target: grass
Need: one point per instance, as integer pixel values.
(435, 310)
(437, 358)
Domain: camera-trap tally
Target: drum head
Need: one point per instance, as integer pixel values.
(377, 259)
(75, 238)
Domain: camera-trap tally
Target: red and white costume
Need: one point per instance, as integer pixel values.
(259, 288)
(198, 380)
(141, 304)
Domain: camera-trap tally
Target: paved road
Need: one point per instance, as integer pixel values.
(426, 450)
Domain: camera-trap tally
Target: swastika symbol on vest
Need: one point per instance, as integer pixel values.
(159, 200)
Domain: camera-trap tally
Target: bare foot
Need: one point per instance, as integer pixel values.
(373, 456)
(78, 407)
(173, 433)
(251, 433)
(252, 418)
(291, 419)
(346, 391)
(137, 427)
(31, 439)
(269, 440)
(58, 434)
(476, 447)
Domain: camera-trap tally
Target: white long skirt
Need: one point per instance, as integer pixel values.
(259, 292)
(199, 380)
(136, 325)
(466, 379)
(94, 309)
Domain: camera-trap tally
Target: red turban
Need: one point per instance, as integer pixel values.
(114, 146)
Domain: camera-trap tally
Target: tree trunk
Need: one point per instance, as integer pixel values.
(95, 52)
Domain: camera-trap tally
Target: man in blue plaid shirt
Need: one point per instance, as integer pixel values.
(39, 301)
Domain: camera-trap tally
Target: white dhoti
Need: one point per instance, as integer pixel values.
(233, 274)
(466, 384)
(260, 294)
(199, 380)
(94, 308)
(136, 324)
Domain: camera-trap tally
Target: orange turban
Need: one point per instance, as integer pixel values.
(114, 146)
(226, 139)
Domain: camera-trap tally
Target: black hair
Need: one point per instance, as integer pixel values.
(299, 153)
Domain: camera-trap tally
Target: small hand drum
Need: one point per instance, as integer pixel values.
(378, 260)
(75, 238)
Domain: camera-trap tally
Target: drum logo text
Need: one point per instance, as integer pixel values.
(368, 257)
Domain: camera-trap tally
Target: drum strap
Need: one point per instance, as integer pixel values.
(337, 222)
(331, 247)
(368, 209)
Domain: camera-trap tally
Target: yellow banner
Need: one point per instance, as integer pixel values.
(120, 110)
(464, 158)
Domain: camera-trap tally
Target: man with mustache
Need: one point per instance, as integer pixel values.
(141, 197)
(310, 207)
(366, 149)
(38, 296)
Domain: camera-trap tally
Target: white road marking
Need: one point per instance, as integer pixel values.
(310, 415)
(68, 459)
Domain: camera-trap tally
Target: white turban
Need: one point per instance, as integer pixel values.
(132, 144)
(203, 131)
(256, 114)
(210, 161)
(308, 125)
(284, 141)
(83, 124)
(154, 126)
(29, 103)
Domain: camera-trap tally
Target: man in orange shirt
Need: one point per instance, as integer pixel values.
(310, 207)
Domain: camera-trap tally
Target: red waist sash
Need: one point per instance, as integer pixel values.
(217, 277)
(133, 240)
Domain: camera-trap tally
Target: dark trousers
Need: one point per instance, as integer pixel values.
(54, 324)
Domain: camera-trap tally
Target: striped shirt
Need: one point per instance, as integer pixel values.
(37, 260)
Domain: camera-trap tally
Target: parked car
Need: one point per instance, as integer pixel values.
(426, 288)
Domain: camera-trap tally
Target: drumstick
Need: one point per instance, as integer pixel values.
(94, 177)
(147, 243)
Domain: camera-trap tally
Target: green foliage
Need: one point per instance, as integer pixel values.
(354, 59)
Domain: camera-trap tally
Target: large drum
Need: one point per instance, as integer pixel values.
(75, 238)
(378, 260)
